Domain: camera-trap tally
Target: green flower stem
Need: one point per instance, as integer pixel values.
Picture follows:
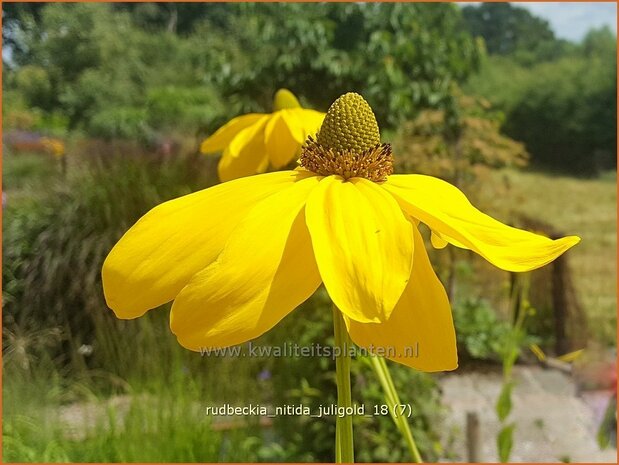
(380, 368)
(344, 450)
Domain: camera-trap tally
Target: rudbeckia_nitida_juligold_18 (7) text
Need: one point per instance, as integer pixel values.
(253, 143)
(238, 257)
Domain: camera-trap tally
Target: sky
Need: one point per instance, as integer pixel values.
(571, 21)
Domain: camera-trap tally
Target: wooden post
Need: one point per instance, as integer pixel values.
(559, 302)
(473, 440)
(569, 319)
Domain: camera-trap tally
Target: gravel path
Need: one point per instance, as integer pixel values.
(554, 424)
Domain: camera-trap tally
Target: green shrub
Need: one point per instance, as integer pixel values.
(190, 108)
(563, 110)
(121, 123)
(481, 334)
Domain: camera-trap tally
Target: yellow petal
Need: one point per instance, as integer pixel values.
(285, 99)
(280, 143)
(266, 269)
(307, 122)
(152, 262)
(224, 135)
(363, 246)
(249, 137)
(420, 332)
(445, 209)
(231, 167)
(440, 241)
(246, 154)
(437, 240)
(291, 118)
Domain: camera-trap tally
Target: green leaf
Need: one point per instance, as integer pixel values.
(504, 402)
(505, 442)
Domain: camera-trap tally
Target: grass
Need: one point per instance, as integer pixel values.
(586, 208)
(26, 176)
(26, 169)
(168, 427)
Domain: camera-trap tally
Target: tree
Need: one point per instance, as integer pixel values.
(567, 115)
(179, 18)
(600, 43)
(402, 57)
(109, 66)
(17, 20)
(513, 30)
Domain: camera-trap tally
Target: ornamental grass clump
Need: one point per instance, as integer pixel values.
(238, 257)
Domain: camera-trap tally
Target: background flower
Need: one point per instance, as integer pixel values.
(253, 142)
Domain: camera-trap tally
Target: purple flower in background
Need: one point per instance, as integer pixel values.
(264, 375)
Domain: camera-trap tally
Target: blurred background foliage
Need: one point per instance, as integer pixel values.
(188, 68)
(471, 94)
(237, 54)
(558, 98)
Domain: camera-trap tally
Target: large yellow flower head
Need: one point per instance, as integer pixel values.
(238, 257)
(253, 142)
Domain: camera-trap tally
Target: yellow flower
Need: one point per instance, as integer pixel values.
(238, 257)
(251, 143)
(54, 146)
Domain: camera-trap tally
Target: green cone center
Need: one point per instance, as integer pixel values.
(350, 125)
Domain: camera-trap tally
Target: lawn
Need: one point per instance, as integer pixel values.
(586, 208)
